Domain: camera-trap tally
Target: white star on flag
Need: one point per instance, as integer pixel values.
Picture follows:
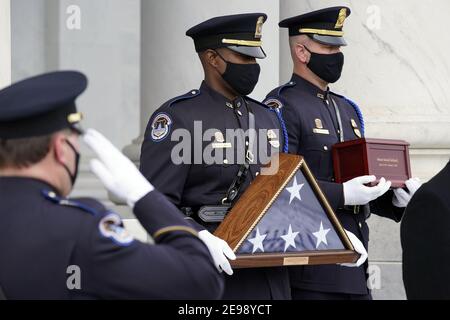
(321, 235)
(295, 190)
(257, 241)
(289, 238)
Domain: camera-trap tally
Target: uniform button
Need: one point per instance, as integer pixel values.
(239, 113)
(194, 92)
(257, 174)
(325, 148)
(52, 195)
(225, 161)
(291, 83)
(238, 104)
(246, 143)
(360, 225)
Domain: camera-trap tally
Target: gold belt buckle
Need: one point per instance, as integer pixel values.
(356, 209)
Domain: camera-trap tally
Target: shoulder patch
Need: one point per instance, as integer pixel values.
(161, 127)
(53, 197)
(273, 103)
(191, 94)
(111, 227)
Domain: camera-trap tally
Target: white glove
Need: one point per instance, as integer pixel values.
(117, 173)
(219, 250)
(359, 247)
(356, 193)
(401, 197)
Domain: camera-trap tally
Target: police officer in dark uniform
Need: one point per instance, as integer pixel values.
(425, 235)
(228, 47)
(316, 119)
(52, 247)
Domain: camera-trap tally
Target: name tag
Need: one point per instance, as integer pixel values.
(224, 145)
(275, 143)
(321, 131)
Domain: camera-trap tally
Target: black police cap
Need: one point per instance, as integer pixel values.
(241, 33)
(41, 105)
(324, 26)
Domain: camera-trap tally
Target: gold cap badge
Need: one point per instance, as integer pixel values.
(259, 27)
(341, 18)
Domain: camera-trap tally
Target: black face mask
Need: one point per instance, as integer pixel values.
(73, 177)
(242, 78)
(327, 67)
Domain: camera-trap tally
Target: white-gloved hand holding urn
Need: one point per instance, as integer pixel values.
(357, 193)
(401, 197)
(219, 250)
(118, 174)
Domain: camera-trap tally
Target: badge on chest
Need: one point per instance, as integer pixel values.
(273, 139)
(355, 128)
(219, 141)
(319, 129)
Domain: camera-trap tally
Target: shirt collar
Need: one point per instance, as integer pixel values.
(29, 183)
(310, 87)
(219, 98)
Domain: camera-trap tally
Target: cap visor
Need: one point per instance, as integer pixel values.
(255, 52)
(329, 40)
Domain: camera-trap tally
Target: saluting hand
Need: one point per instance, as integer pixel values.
(118, 174)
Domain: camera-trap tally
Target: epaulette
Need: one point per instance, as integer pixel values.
(53, 197)
(276, 101)
(357, 110)
(191, 94)
(258, 102)
(286, 86)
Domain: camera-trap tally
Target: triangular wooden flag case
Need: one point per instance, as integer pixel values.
(284, 219)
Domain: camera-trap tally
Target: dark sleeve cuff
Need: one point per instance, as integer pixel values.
(194, 224)
(383, 207)
(158, 215)
(334, 193)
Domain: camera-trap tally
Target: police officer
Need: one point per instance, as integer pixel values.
(426, 240)
(316, 119)
(228, 47)
(52, 247)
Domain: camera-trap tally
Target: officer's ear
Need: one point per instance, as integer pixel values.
(59, 146)
(211, 58)
(301, 53)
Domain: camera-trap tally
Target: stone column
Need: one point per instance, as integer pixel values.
(5, 43)
(169, 64)
(102, 39)
(397, 71)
